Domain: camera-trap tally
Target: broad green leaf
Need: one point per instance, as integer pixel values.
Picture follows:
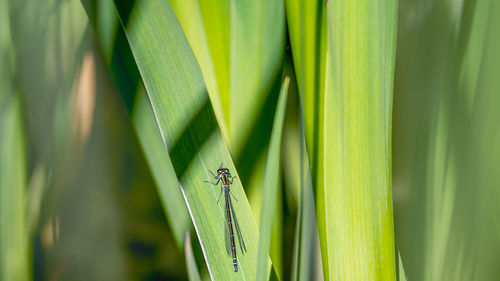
(354, 191)
(189, 131)
(239, 46)
(192, 269)
(105, 22)
(271, 183)
(344, 69)
(14, 233)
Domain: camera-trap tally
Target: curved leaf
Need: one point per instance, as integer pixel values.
(106, 24)
(239, 46)
(271, 183)
(188, 129)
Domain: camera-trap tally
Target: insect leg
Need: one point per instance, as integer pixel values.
(219, 195)
(214, 183)
(214, 174)
(233, 195)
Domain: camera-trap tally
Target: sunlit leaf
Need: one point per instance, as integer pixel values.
(344, 56)
(103, 16)
(239, 46)
(188, 130)
(271, 184)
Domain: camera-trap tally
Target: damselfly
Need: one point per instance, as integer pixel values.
(225, 179)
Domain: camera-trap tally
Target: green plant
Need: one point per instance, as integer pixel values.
(109, 130)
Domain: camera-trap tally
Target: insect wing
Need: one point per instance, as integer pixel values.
(226, 234)
(237, 226)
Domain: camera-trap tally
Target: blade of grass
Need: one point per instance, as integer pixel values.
(296, 242)
(354, 187)
(240, 45)
(188, 129)
(206, 25)
(306, 22)
(401, 276)
(160, 165)
(345, 84)
(105, 22)
(254, 189)
(14, 238)
(192, 269)
(257, 47)
(306, 229)
(271, 183)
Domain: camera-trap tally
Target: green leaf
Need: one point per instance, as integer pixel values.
(192, 269)
(345, 69)
(105, 22)
(354, 183)
(239, 46)
(306, 235)
(401, 276)
(306, 22)
(257, 47)
(189, 130)
(271, 183)
(160, 165)
(14, 237)
(207, 28)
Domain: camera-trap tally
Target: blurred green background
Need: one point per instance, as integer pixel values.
(80, 198)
